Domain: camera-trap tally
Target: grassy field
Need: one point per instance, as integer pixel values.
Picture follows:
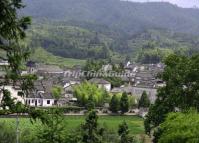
(72, 122)
(40, 55)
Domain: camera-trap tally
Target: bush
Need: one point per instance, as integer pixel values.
(179, 128)
(7, 134)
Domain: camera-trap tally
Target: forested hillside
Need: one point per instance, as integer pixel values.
(69, 41)
(112, 29)
(120, 15)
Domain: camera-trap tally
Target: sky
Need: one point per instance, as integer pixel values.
(181, 3)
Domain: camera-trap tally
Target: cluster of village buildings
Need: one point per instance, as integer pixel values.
(143, 78)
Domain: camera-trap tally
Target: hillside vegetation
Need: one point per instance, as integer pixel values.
(113, 30)
(40, 55)
(69, 41)
(129, 17)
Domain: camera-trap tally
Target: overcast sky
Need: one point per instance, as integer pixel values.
(182, 3)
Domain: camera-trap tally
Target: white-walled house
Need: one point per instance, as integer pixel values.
(40, 99)
(101, 83)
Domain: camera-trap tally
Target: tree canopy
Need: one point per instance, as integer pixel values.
(144, 101)
(114, 104)
(179, 128)
(83, 91)
(181, 76)
(124, 103)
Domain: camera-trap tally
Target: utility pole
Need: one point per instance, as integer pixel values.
(17, 129)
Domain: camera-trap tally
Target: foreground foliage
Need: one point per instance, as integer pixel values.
(71, 127)
(181, 76)
(179, 128)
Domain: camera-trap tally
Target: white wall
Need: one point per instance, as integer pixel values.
(45, 102)
(107, 87)
(13, 92)
(33, 101)
(39, 102)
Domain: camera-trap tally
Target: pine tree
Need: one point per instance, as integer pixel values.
(114, 104)
(91, 104)
(123, 132)
(124, 103)
(144, 101)
(90, 132)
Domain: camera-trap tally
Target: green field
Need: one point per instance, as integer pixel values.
(72, 122)
(42, 56)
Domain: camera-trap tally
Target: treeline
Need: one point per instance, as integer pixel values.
(150, 46)
(69, 41)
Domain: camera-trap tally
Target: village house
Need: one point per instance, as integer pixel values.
(31, 67)
(49, 69)
(68, 96)
(68, 82)
(137, 91)
(40, 99)
(101, 83)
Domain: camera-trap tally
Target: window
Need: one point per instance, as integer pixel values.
(33, 101)
(39, 101)
(48, 101)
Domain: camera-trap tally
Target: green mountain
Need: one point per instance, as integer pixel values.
(110, 29)
(69, 41)
(122, 16)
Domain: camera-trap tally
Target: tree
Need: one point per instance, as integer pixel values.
(93, 65)
(124, 103)
(56, 92)
(53, 129)
(83, 91)
(179, 128)
(91, 104)
(144, 101)
(90, 131)
(12, 31)
(114, 104)
(123, 132)
(181, 76)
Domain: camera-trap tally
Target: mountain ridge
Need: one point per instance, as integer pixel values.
(129, 17)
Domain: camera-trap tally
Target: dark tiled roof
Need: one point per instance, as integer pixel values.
(40, 95)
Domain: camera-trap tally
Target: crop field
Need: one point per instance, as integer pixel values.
(72, 122)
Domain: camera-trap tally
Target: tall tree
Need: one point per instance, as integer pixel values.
(114, 104)
(90, 132)
(12, 32)
(123, 132)
(52, 129)
(181, 76)
(124, 103)
(91, 104)
(144, 101)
